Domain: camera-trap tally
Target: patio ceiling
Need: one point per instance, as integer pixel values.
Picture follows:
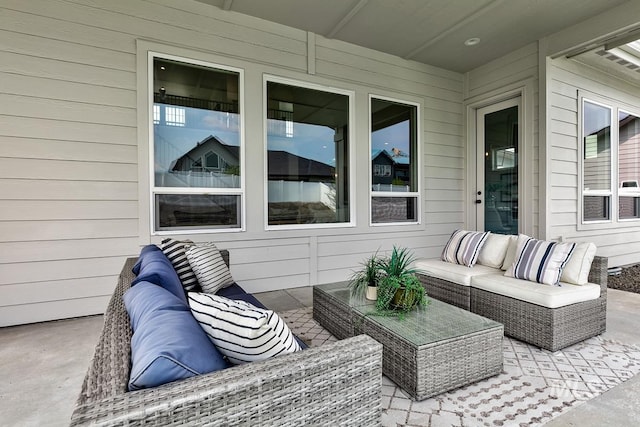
(429, 31)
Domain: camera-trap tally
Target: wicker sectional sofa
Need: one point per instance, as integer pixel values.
(334, 384)
(549, 317)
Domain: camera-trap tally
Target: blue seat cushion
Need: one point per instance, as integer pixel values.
(231, 290)
(156, 268)
(246, 298)
(143, 257)
(167, 344)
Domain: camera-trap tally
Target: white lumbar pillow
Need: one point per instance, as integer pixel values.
(494, 250)
(510, 255)
(577, 269)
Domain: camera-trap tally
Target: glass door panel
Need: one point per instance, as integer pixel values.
(497, 185)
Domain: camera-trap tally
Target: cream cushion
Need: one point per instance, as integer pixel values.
(510, 256)
(536, 293)
(494, 250)
(456, 273)
(577, 269)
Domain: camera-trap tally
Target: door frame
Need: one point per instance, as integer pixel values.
(529, 185)
(481, 173)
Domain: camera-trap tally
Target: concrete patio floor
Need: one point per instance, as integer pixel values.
(42, 366)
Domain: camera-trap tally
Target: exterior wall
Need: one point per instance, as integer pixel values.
(73, 170)
(618, 241)
(513, 74)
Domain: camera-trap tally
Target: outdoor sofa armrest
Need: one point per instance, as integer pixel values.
(334, 384)
(599, 274)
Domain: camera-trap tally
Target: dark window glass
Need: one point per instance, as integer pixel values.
(307, 155)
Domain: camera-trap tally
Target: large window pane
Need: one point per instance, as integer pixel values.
(196, 145)
(628, 165)
(597, 162)
(307, 155)
(394, 181)
(196, 118)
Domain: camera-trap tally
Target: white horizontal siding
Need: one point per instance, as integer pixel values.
(516, 69)
(69, 167)
(620, 241)
(45, 230)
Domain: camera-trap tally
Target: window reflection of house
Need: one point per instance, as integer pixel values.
(390, 167)
(213, 155)
(209, 155)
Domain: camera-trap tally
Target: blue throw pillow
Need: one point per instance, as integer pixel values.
(143, 256)
(156, 268)
(167, 344)
(231, 291)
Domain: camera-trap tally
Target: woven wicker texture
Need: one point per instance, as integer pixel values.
(430, 351)
(334, 384)
(446, 291)
(550, 328)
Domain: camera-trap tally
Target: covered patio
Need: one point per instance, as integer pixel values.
(324, 131)
(43, 366)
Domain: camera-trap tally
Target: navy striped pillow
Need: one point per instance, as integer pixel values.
(540, 261)
(242, 332)
(209, 266)
(464, 247)
(175, 251)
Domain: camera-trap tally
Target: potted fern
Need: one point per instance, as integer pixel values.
(364, 283)
(399, 289)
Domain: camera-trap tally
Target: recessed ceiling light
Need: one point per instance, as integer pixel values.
(472, 41)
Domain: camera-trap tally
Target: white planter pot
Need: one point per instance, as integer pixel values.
(372, 293)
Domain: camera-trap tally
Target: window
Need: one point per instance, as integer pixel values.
(628, 165)
(308, 164)
(197, 146)
(596, 172)
(381, 170)
(503, 158)
(211, 160)
(611, 158)
(394, 161)
(174, 116)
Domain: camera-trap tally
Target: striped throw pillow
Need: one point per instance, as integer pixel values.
(175, 251)
(242, 332)
(210, 269)
(464, 247)
(539, 260)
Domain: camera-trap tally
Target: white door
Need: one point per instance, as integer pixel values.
(498, 167)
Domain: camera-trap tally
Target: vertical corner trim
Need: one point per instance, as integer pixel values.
(311, 52)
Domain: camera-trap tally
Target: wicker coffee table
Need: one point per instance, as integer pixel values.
(430, 351)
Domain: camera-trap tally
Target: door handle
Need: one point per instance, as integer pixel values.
(478, 201)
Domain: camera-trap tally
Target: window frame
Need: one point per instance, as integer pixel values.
(205, 191)
(351, 95)
(631, 111)
(418, 157)
(615, 106)
(613, 155)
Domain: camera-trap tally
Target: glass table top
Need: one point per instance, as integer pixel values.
(435, 322)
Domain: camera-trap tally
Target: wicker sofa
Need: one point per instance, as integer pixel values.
(334, 384)
(548, 326)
